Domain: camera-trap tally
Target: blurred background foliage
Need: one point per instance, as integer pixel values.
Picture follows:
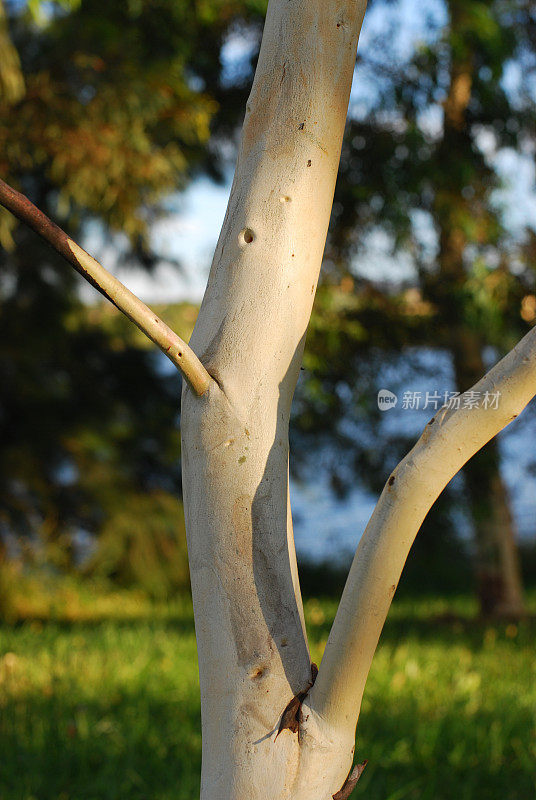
(105, 112)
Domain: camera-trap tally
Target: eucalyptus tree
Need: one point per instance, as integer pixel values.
(274, 725)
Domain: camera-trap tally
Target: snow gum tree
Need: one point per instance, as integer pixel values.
(274, 726)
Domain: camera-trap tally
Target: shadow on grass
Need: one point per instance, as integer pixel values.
(447, 753)
(130, 746)
(183, 624)
(444, 630)
(141, 748)
(451, 628)
(116, 730)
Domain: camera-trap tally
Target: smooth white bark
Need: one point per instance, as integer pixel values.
(253, 654)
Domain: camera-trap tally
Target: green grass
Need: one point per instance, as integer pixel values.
(99, 700)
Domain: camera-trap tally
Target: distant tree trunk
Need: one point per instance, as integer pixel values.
(5, 582)
(498, 573)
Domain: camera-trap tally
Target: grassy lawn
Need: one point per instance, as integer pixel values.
(99, 700)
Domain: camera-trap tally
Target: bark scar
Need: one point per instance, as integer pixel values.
(350, 782)
(291, 716)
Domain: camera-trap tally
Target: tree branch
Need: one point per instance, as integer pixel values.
(447, 442)
(147, 321)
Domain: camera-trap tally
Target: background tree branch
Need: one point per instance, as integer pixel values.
(89, 268)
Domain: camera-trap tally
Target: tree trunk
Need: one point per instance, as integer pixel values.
(253, 654)
(498, 573)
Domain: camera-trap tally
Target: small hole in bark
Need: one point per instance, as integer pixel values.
(257, 673)
(309, 162)
(301, 126)
(391, 480)
(246, 236)
(432, 421)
